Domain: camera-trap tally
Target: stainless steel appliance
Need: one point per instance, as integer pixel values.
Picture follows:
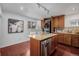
(47, 26)
(46, 46)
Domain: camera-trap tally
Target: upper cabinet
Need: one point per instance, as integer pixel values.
(61, 21)
(55, 21)
(58, 21)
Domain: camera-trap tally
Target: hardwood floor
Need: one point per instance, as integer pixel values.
(64, 50)
(61, 50)
(28, 49)
(20, 49)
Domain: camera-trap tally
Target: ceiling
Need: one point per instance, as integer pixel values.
(33, 10)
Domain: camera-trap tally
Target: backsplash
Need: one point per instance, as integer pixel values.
(67, 30)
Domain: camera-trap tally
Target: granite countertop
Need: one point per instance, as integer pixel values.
(43, 36)
(67, 33)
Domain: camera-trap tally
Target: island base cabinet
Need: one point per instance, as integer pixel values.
(35, 47)
(42, 47)
(53, 44)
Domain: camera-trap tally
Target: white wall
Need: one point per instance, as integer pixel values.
(0, 23)
(69, 18)
(0, 27)
(13, 38)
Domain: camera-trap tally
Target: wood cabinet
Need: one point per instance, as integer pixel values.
(53, 44)
(55, 22)
(67, 39)
(60, 38)
(75, 40)
(42, 47)
(35, 47)
(61, 21)
(64, 39)
(58, 21)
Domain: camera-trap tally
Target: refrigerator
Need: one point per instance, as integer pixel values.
(47, 25)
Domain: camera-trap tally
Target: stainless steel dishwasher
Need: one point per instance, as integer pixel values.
(46, 46)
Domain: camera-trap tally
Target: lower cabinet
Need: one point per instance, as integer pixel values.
(67, 39)
(39, 47)
(53, 44)
(42, 47)
(35, 47)
(75, 40)
(60, 38)
(64, 39)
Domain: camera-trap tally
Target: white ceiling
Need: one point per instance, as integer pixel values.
(32, 10)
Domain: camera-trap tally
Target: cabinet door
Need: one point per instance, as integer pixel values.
(67, 39)
(52, 25)
(61, 38)
(55, 21)
(35, 47)
(61, 21)
(53, 44)
(75, 40)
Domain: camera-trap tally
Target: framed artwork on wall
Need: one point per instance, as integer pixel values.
(15, 26)
(31, 25)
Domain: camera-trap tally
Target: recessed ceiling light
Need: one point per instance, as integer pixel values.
(73, 9)
(21, 7)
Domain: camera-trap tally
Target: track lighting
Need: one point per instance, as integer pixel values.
(41, 6)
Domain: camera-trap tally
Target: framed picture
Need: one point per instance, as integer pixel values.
(31, 25)
(15, 26)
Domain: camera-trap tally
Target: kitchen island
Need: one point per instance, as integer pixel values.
(43, 44)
